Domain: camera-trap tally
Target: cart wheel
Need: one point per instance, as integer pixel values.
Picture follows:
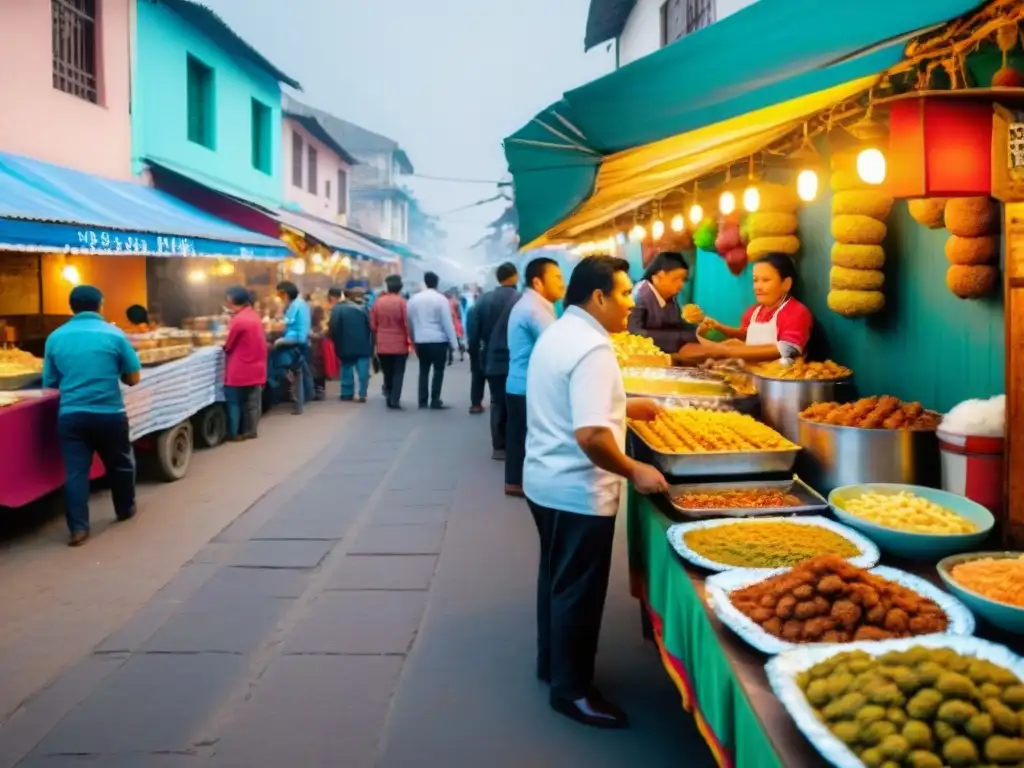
(211, 426)
(174, 452)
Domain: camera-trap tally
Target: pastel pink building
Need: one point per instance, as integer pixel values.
(65, 83)
(316, 168)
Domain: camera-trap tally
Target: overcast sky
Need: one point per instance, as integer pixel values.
(447, 79)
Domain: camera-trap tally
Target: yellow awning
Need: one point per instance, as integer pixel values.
(636, 176)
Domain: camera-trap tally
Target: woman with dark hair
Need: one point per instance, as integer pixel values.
(776, 326)
(657, 315)
(245, 366)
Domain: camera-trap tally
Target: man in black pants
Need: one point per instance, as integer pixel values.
(433, 333)
(575, 462)
(488, 339)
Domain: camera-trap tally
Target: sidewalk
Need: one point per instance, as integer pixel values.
(374, 609)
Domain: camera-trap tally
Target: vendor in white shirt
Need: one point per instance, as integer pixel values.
(572, 477)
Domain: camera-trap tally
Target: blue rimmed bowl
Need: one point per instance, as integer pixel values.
(915, 546)
(998, 614)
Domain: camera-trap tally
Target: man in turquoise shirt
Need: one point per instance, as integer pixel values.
(534, 312)
(291, 351)
(87, 359)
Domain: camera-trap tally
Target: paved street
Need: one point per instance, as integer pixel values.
(351, 590)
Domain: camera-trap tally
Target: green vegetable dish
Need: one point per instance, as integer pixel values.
(920, 708)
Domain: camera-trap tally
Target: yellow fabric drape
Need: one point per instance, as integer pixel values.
(635, 176)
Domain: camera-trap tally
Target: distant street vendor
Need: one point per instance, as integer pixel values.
(87, 359)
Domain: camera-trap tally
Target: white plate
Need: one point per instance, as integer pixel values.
(867, 558)
(783, 669)
(720, 586)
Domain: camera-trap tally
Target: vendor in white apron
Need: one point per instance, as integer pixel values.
(777, 326)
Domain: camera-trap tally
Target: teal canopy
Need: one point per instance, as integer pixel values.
(768, 53)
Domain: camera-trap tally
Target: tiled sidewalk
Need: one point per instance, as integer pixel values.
(374, 610)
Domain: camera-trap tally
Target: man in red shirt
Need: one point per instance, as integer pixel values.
(389, 323)
(245, 366)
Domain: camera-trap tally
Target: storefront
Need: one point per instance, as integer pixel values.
(876, 155)
(60, 228)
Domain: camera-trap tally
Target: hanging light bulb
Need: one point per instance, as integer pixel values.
(871, 166)
(197, 276)
(727, 203)
(751, 199)
(807, 185)
(621, 238)
(678, 224)
(657, 229)
(298, 267)
(71, 275)
(637, 233)
(696, 214)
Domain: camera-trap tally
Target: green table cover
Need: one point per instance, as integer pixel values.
(690, 648)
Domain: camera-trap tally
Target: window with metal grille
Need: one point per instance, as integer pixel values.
(699, 14)
(260, 136)
(342, 191)
(327, 189)
(73, 31)
(663, 24)
(298, 153)
(311, 181)
(199, 91)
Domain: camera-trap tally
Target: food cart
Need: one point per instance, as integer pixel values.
(60, 228)
(914, 136)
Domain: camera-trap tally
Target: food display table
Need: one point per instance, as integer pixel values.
(721, 680)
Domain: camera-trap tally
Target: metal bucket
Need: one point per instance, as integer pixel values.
(838, 456)
(782, 400)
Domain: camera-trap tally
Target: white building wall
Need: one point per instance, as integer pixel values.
(642, 33)
(322, 203)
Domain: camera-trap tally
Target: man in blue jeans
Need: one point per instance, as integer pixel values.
(291, 352)
(87, 359)
(349, 329)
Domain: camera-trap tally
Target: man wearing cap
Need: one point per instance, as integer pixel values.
(87, 359)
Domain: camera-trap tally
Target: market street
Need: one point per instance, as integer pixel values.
(351, 590)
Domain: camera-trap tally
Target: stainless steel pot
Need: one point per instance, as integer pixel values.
(837, 456)
(782, 400)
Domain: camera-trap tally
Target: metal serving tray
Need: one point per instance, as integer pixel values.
(20, 381)
(722, 463)
(811, 502)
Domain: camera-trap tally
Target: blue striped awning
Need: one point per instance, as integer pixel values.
(50, 208)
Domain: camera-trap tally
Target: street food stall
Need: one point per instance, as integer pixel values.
(835, 576)
(60, 228)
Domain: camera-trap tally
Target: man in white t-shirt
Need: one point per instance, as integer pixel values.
(572, 477)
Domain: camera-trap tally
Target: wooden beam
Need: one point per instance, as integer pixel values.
(1014, 312)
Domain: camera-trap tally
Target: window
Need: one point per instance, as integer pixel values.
(311, 184)
(298, 153)
(327, 189)
(663, 20)
(200, 103)
(675, 21)
(73, 31)
(342, 191)
(261, 136)
(699, 14)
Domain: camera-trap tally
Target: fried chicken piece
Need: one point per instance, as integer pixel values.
(761, 615)
(927, 625)
(831, 585)
(773, 626)
(803, 592)
(864, 595)
(836, 636)
(768, 601)
(806, 609)
(897, 621)
(846, 613)
(876, 616)
(785, 607)
(815, 629)
(822, 605)
(866, 632)
(793, 630)
(912, 410)
(895, 421)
